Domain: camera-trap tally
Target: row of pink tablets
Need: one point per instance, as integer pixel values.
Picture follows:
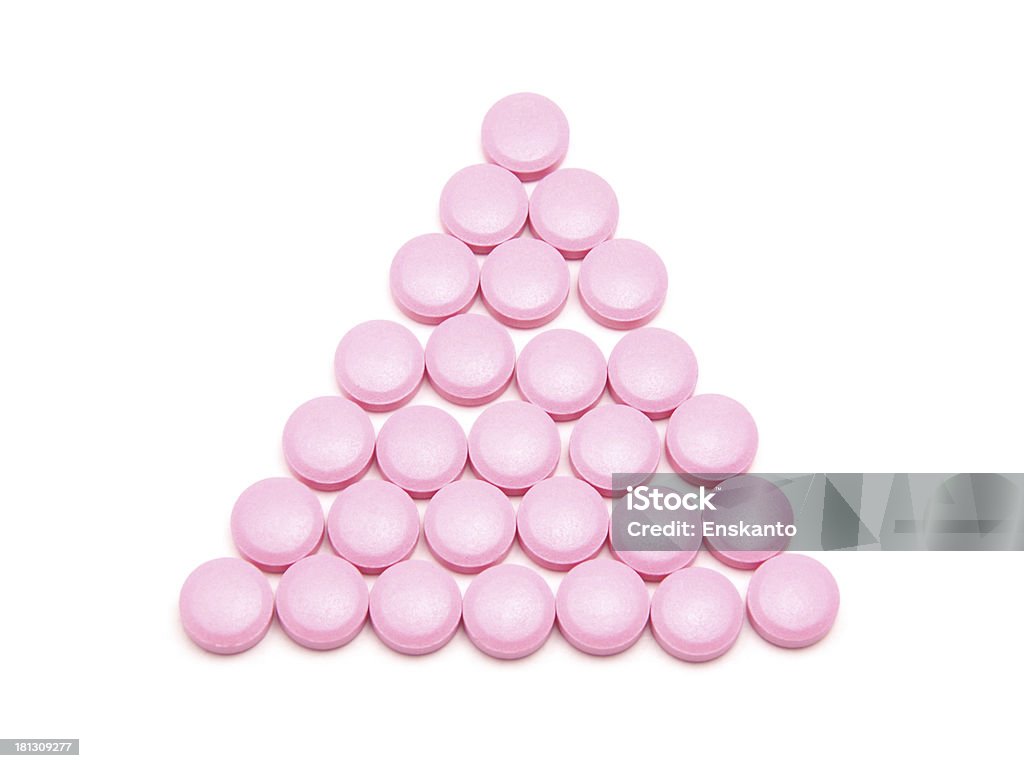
(329, 443)
(525, 282)
(602, 606)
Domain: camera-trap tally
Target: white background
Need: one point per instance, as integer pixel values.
(197, 199)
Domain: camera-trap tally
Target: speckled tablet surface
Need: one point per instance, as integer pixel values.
(328, 443)
(470, 359)
(613, 439)
(484, 205)
(514, 445)
(469, 525)
(792, 600)
(622, 283)
(276, 522)
(563, 372)
(322, 602)
(711, 437)
(754, 501)
(373, 524)
(525, 133)
(652, 370)
(524, 282)
(602, 607)
(562, 521)
(696, 614)
(379, 365)
(434, 277)
(421, 449)
(415, 607)
(508, 611)
(226, 605)
(573, 210)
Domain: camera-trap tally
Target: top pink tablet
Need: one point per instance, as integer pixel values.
(526, 133)
(484, 205)
(573, 210)
(622, 284)
(433, 277)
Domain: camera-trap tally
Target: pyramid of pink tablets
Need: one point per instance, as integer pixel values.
(415, 606)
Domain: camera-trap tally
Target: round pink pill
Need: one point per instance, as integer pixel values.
(508, 611)
(754, 501)
(415, 607)
(226, 605)
(379, 364)
(562, 521)
(524, 282)
(602, 607)
(573, 210)
(711, 437)
(322, 602)
(484, 205)
(434, 277)
(652, 370)
(792, 601)
(373, 524)
(696, 614)
(614, 439)
(622, 284)
(328, 443)
(276, 522)
(469, 525)
(563, 372)
(514, 445)
(420, 449)
(470, 359)
(527, 134)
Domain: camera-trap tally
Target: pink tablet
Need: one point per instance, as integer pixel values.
(750, 500)
(652, 370)
(614, 439)
(526, 133)
(563, 372)
(573, 210)
(470, 359)
(469, 525)
(508, 611)
(379, 364)
(226, 605)
(373, 524)
(276, 522)
(415, 607)
(622, 284)
(420, 449)
(322, 602)
(514, 445)
(328, 443)
(711, 437)
(696, 614)
(792, 601)
(434, 277)
(562, 521)
(484, 205)
(524, 282)
(602, 607)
